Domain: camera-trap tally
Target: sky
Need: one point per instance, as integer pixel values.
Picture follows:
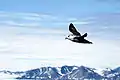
(32, 33)
(62, 7)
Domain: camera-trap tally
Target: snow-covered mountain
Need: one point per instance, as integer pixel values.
(10, 75)
(64, 73)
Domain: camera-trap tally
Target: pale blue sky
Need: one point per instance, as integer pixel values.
(62, 7)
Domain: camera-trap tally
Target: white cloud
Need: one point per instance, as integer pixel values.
(32, 18)
(36, 16)
(10, 22)
(23, 52)
(36, 19)
(72, 19)
(28, 14)
(23, 48)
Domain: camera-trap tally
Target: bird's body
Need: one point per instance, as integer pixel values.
(80, 40)
(77, 36)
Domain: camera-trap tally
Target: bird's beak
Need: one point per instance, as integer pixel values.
(66, 38)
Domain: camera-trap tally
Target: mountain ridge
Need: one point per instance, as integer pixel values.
(66, 73)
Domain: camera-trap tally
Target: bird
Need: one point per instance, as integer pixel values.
(76, 36)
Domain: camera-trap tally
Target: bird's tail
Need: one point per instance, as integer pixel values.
(85, 35)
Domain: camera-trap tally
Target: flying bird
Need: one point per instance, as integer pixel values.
(76, 36)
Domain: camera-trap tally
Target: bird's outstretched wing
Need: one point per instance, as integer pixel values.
(73, 30)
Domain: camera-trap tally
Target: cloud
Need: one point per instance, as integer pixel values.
(40, 50)
(13, 23)
(36, 16)
(72, 19)
(50, 50)
(28, 16)
(40, 46)
(36, 19)
(32, 18)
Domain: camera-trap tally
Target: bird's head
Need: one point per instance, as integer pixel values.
(69, 37)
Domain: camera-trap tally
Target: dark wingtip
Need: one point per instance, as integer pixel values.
(71, 24)
(91, 43)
